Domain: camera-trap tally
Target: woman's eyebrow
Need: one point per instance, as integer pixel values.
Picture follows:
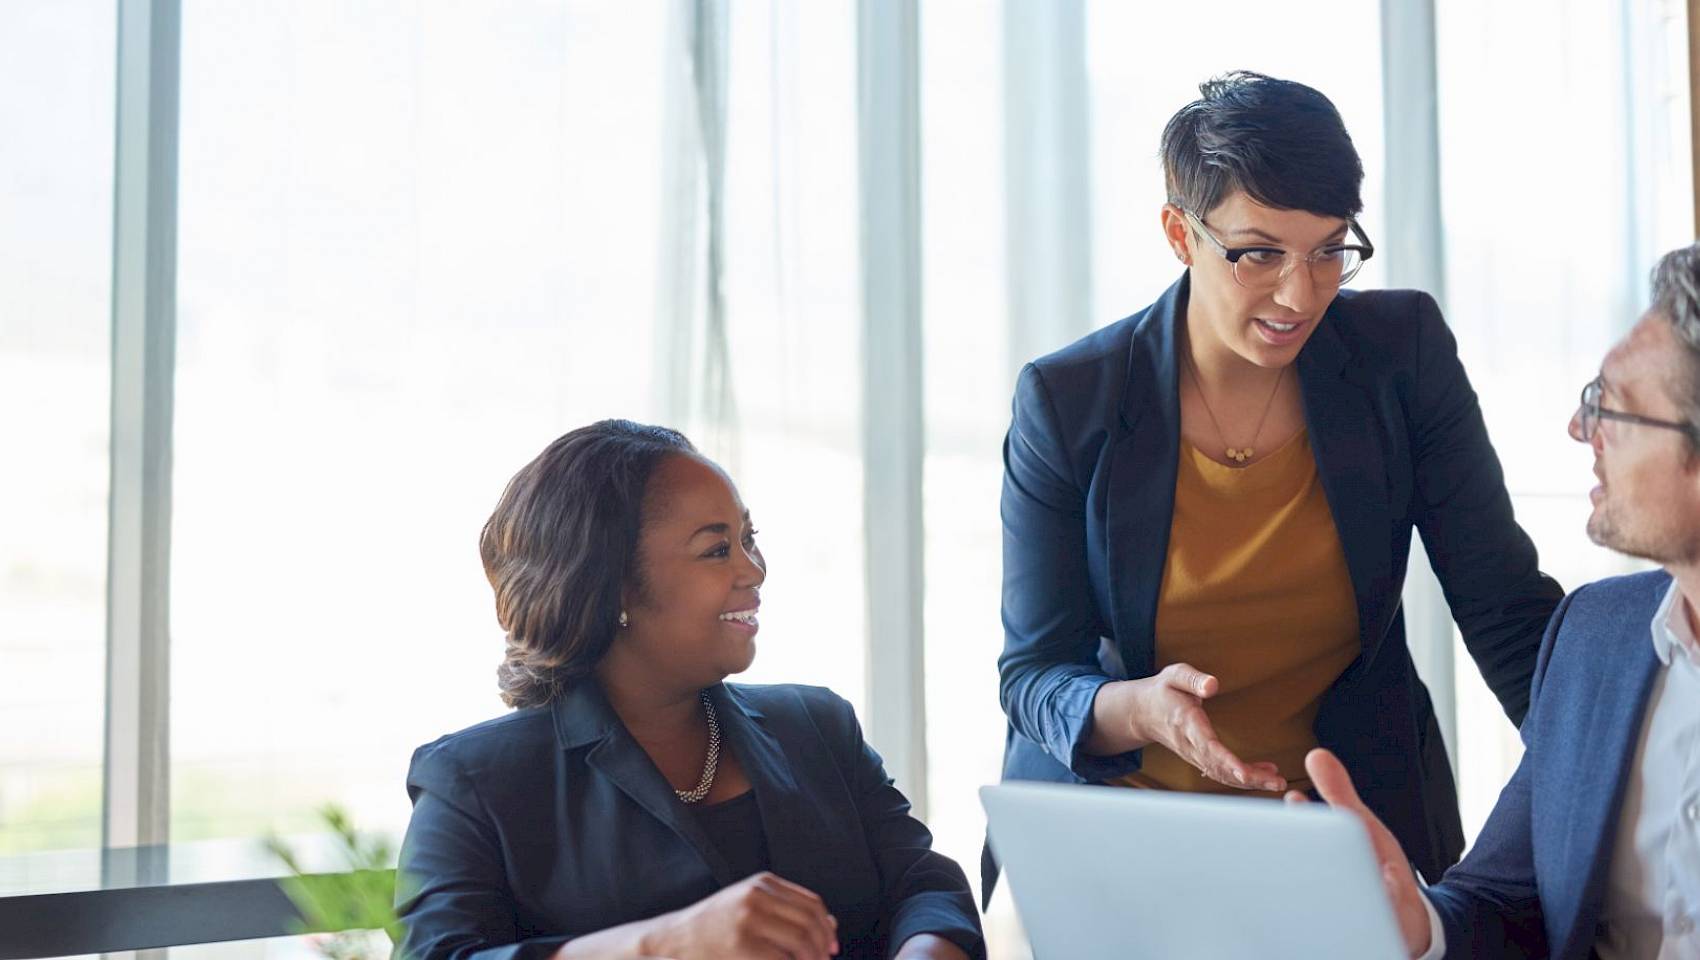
(716, 528)
(1256, 234)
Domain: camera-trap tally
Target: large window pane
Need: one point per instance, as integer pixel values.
(1138, 75)
(1145, 65)
(793, 304)
(56, 104)
(1547, 267)
(967, 404)
(418, 243)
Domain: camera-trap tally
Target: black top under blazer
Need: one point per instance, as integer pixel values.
(551, 822)
(1088, 496)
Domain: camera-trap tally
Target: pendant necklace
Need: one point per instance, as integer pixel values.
(1242, 454)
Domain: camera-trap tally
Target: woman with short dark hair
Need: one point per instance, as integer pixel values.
(1208, 506)
(634, 805)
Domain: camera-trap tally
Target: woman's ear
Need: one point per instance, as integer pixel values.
(1177, 233)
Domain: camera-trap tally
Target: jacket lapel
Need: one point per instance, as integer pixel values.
(1352, 467)
(1609, 738)
(1141, 495)
(1139, 501)
(769, 769)
(583, 716)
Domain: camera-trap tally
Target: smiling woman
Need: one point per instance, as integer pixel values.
(1208, 506)
(636, 804)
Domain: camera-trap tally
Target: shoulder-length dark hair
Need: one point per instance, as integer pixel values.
(559, 547)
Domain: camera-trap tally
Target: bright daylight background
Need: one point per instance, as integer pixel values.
(417, 241)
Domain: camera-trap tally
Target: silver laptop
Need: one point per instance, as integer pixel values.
(1110, 872)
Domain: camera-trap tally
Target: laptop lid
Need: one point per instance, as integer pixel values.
(1116, 872)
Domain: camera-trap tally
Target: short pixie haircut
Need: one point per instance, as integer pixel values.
(561, 546)
(1281, 142)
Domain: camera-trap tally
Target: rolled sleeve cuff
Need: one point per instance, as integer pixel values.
(1073, 725)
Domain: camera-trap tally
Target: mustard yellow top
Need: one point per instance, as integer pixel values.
(1256, 592)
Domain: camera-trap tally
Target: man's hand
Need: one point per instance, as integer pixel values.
(1331, 780)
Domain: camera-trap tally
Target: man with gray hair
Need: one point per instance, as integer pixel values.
(1594, 846)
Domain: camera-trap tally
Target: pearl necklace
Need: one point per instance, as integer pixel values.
(710, 763)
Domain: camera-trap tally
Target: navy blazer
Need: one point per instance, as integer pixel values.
(1534, 883)
(1088, 495)
(551, 822)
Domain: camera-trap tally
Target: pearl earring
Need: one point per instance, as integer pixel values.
(625, 621)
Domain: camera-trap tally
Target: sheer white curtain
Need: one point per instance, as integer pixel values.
(56, 179)
(792, 325)
(419, 242)
(1564, 175)
(1041, 185)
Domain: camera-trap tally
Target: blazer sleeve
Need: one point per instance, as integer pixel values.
(1048, 674)
(452, 895)
(1486, 564)
(921, 890)
(1490, 903)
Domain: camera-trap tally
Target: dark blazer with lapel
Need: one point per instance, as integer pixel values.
(1088, 494)
(551, 822)
(1535, 881)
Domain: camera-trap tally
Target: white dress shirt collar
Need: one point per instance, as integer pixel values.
(1671, 630)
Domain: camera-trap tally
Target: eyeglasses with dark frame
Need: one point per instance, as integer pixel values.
(1590, 413)
(1266, 267)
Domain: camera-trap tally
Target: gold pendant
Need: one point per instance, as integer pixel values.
(1239, 456)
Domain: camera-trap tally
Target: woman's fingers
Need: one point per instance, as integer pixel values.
(1188, 679)
(1185, 728)
(778, 885)
(790, 939)
(1216, 761)
(802, 908)
(786, 926)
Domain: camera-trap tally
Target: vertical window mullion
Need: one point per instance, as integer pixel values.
(1047, 178)
(1415, 258)
(1693, 24)
(888, 107)
(136, 808)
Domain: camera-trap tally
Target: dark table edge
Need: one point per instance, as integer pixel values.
(138, 918)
